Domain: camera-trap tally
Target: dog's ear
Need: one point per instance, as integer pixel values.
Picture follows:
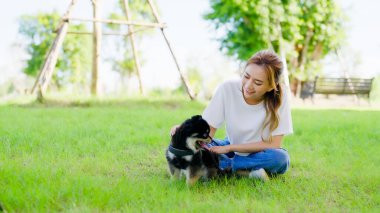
(196, 117)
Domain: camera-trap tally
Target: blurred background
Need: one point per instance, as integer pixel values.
(211, 40)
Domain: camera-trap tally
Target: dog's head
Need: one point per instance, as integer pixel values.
(192, 134)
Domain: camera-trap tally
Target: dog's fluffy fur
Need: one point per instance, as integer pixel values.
(191, 137)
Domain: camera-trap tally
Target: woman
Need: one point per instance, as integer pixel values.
(257, 115)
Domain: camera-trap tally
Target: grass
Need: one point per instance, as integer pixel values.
(109, 156)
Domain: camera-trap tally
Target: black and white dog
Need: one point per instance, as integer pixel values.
(188, 153)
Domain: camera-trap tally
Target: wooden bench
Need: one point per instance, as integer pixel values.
(338, 86)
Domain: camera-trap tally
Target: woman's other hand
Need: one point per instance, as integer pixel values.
(220, 149)
(173, 130)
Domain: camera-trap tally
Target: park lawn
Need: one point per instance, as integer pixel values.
(87, 157)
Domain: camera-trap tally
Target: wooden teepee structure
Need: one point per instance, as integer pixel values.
(45, 75)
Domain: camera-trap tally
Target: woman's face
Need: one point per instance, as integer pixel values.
(255, 83)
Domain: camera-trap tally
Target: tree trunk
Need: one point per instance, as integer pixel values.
(294, 86)
(302, 60)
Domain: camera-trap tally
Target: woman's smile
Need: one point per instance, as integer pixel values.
(249, 92)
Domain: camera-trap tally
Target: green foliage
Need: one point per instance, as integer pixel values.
(140, 10)
(195, 79)
(109, 157)
(74, 58)
(306, 30)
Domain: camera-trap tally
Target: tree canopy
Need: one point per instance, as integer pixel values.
(306, 30)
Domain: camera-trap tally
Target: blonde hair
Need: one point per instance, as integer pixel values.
(272, 65)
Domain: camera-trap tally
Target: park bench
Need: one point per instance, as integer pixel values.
(338, 86)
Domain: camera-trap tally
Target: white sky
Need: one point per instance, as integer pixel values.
(191, 37)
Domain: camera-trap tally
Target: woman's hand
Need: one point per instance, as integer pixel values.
(220, 149)
(173, 130)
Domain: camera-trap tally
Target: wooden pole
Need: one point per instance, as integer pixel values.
(134, 48)
(96, 41)
(183, 78)
(105, 33)
(113, 21)
(46, 72)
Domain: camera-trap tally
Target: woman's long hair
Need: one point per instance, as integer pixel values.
(272, 65)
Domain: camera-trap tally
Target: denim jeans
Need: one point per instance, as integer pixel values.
(273, 161)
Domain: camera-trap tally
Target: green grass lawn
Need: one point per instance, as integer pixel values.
(110, 157)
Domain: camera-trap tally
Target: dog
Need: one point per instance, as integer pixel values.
(188, 153)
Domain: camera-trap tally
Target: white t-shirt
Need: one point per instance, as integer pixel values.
(244, 122)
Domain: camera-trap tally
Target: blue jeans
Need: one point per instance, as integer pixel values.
(273, 161)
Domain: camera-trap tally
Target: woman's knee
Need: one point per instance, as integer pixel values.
(280, 160)
(275, 161)
(281, 156)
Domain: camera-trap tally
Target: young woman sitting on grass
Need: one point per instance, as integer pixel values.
(257, 115)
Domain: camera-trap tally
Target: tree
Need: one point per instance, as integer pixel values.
(305, 30)
(74, 59)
